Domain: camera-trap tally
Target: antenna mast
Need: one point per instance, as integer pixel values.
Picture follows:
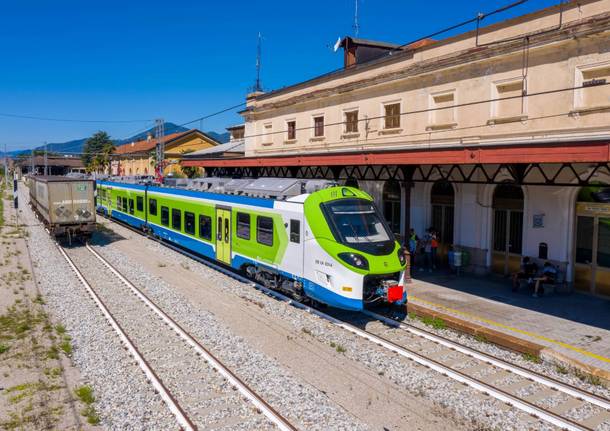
(258, 86)
(356, 25)
(160, 149)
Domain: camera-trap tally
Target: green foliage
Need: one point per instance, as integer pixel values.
(532, 358)
(85, 394)
(434, 322)
(97, 150)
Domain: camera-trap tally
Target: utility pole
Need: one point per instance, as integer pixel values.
(6, 167)
(32, 163)
(257, 85)
(46, 160)
(160, 132)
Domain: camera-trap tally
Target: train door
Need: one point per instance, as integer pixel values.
(223, 235)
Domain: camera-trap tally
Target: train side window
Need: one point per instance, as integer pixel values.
(118, 203)
(264, 230)
(165, 216)
(130, 206)
(124, 204)
(243, 225)
(140, 203)
(295, 231)
(152, 207)
(176, 219)
(189, 223)
(205, 227)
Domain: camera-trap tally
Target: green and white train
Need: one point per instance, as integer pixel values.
(310, 239)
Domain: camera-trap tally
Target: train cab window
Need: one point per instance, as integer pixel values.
(243, 225)
(264, 230)
(140, 203)
(124, 204)
(295, 231)
(152, 206)
(205, 227)
(118, 203)
(189, 223)
(165, 216)
(176, 219)
(130, 206)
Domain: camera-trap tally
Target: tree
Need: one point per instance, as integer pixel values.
(97, 150)
(189, 171)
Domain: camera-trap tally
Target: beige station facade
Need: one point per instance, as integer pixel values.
(498, 138)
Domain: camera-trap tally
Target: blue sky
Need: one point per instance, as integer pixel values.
(139, 60)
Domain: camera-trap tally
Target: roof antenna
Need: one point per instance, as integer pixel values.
(258, 86)
(356, 25)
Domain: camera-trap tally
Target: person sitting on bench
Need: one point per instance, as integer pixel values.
(528, 271)
(549, 274)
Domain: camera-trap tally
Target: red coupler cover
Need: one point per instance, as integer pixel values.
(394, 293)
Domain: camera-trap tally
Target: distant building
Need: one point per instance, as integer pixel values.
(56, 165)
(137, 158)
(234, 148)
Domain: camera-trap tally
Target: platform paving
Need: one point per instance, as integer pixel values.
(574, 325)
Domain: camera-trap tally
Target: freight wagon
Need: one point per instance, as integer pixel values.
(311, 239)
(66, 205)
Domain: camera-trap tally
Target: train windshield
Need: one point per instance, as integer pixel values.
(357, 224)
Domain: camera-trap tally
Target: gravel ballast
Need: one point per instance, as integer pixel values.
(124, 399)
(462, 403)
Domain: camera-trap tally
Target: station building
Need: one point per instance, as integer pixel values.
(499, 138)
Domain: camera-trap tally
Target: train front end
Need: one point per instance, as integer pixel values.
(351, 256)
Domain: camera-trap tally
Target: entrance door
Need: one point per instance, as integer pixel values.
(442, 200)
(223, 235)
(592, 254)
(507, 241)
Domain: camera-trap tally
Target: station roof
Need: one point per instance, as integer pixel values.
(236, 149)
(146, 145)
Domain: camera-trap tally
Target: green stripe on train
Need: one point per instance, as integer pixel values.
(251, 248)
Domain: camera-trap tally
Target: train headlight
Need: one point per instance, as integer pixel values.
(401, 256)
(354, 259)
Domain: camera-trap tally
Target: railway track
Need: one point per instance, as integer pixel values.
(509, 383)
(198, 389)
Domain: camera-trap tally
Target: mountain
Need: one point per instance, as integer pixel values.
(223, 138)
(76, 146)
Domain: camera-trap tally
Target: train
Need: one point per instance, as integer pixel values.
(312, 239)
(66, 205)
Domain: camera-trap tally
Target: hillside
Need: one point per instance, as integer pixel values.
(76, 146)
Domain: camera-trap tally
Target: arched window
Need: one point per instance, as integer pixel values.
(442, 198)
(391, 204)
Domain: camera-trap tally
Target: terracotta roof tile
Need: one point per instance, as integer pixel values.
(146, 145)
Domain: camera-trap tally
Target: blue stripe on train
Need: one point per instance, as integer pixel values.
(313, 290)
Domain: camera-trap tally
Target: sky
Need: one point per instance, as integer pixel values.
(136, 60)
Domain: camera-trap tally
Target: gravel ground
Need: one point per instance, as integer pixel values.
(205, 396)
(125, 400)
(301, 403)
(460, 402)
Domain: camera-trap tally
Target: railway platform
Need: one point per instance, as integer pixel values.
(570, 327)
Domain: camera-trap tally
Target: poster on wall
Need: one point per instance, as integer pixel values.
(538, 221)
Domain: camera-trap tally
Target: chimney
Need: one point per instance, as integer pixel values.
(149, 136)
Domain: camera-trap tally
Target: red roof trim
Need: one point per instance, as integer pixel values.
(598, 151)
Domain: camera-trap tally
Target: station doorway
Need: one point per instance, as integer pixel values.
(392, 204)
(442, 198)
(507, 240)
(592, 245)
